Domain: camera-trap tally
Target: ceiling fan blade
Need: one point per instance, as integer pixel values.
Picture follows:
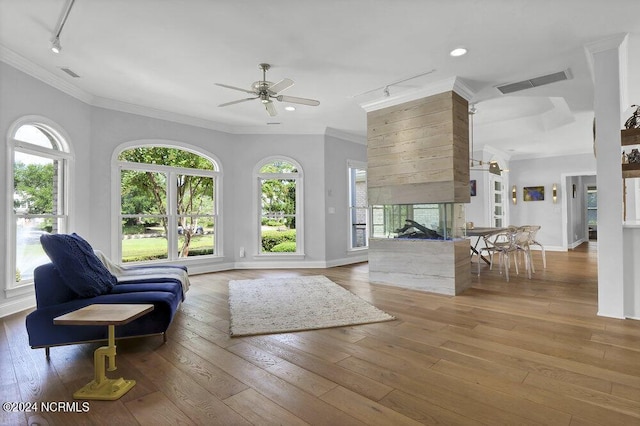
(271, 109)
(235, 88)
(281, 85)
(237, 102)
(296, 100)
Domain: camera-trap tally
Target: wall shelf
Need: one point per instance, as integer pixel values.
(631, 170)
(630, 137)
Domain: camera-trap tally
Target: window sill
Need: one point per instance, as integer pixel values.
(19, 290)
(357, 249)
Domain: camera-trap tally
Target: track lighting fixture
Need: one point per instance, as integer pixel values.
(55, 45)
(55, 42)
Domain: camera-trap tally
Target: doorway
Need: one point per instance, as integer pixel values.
(497, 201)
(592, 212)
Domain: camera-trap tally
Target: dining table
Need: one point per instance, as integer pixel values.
(479, 233)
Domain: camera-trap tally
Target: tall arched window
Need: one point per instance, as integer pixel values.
(280, 206)
(39, 169)
(168, 204)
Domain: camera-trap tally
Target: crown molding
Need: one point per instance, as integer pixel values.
(339, 134)
(159, 114)
(36, 71)
(454, 83)
(618, 42)
(612, 42)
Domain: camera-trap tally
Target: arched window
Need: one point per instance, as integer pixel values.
(168, 204)
(280, 206)
(39, 161)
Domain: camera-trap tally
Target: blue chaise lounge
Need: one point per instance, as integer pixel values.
(77, 276)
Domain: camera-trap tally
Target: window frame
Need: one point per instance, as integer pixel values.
(62, 154)
(299, 215)
(356, 165)
(171, 193)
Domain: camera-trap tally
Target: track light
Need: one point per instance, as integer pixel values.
(55, 42)
(55, 45)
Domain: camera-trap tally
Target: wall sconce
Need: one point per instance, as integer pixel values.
(554, 193)
(514, 191)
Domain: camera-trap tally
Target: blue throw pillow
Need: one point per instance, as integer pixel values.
(79, 267)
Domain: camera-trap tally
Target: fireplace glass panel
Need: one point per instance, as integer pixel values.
(442, 221)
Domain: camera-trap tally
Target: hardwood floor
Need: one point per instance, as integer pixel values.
(522, 352)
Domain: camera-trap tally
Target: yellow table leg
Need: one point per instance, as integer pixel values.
(101, 387)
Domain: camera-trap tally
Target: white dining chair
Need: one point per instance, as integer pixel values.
(500, 242)
(533, 231)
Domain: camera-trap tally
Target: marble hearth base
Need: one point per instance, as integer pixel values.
(442, 267)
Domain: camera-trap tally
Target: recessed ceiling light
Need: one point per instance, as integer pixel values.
(290, 108)
(458, 51)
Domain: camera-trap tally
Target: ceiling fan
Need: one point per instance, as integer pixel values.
(266, 91)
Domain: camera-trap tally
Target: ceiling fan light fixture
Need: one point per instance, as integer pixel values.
(267, 92)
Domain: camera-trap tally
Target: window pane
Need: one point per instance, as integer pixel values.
(144, 209)
(34, 135)
(195, 208)
(358, 204)
(279, 167)
(278, 230)
(195, 195)
(166, 157)
(359, 231)
(195, 236)
(29, 252)
(150, 244)
(35, 184)
(143, 192)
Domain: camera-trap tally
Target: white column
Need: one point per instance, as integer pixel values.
(609, 72)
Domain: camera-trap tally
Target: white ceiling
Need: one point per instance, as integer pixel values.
(166, 56)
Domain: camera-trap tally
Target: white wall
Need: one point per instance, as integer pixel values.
(546, 171)
(21, 95)
(337, 152)
(97, 134)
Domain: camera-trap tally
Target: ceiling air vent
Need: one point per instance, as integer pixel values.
(71, 73)
(535, 82)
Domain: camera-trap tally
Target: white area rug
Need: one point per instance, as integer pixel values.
(279, 305)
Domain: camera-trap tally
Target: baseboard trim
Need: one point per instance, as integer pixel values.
(363, 257)
(11, 307)
(576, 243)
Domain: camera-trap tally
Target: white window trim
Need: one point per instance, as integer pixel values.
(257, 206)
(117, 166)
(361, 165)
(66, 154)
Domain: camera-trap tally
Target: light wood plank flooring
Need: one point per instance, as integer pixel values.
(517, 353)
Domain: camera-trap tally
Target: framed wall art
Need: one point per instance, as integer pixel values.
(533, 193)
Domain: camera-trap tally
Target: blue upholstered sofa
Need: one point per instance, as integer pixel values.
(164, 287)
